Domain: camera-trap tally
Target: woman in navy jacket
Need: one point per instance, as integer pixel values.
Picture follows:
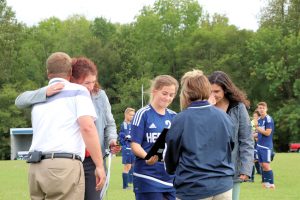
(199, 144)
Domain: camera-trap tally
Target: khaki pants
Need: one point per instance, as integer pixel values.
(223, 196)
(56, 179)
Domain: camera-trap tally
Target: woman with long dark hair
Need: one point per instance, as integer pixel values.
(233, 101)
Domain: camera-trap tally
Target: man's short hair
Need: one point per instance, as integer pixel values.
(262, 104)
(59, 63)
(129, 110)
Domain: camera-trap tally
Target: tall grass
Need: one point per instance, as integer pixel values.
(286, 166)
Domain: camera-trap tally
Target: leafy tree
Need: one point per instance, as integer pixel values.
(10, 116)
(103, 29)
(10, 34)
(275, 65)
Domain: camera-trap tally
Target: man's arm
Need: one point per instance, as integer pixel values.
(90, 136)
(266, 132)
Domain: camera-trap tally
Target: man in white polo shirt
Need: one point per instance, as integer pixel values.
(62, 127)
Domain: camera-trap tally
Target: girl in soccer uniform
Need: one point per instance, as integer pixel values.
(150, 179)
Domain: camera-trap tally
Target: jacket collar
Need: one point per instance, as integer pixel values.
(199, 104)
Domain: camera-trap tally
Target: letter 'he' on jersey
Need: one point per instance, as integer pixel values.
(159, 146)
(147, 125)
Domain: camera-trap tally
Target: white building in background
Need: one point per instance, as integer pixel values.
(20, 141)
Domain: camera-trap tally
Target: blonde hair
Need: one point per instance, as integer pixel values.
(262, 103)
(129, 110)
(163, 80)
(194, 86)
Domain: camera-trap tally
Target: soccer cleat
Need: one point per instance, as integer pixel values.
(128, 188)
(272, 186)
(266, 185)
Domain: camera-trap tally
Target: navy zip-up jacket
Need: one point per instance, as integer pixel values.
(199, 151)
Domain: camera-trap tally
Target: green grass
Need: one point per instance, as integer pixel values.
(286, 168)
(13, 181)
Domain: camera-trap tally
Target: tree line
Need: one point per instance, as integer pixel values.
(168, 37)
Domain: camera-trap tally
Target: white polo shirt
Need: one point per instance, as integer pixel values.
(54, 123)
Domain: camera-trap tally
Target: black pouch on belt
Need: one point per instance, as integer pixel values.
(34, 157)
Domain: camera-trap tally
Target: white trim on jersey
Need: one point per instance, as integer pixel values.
(153, 179)
(200, 106)
(269, 155)
(269, 118)
(263, 147)
(171, 111)
(125, 125)
(139, 115)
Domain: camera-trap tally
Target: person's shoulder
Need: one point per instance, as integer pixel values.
(76, 86)
(143, 109)
(142, 112)
(216, 110)
(219, 113)
(79, 88)
(181, 115)
(269, 118)
(102, 93)
(241, 105)
(238, 106)
(171, 112)
(124, 124)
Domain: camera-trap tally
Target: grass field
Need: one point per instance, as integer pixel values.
(286, 166)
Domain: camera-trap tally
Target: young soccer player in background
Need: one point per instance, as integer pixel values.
(125, 140)
(265, 128)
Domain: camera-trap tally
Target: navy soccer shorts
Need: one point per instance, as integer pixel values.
(264, 155)
(127, 156)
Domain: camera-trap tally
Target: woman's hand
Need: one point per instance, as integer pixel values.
(114, 147)
(212, 99)
(152, 160)
(54, 89)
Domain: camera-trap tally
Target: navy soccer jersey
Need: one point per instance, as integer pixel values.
(266, 141)
(125, 140)
(125, 135)
(147, 125)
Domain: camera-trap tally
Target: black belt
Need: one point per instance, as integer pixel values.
(60, 155)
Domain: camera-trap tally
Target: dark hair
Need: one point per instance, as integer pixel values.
(256, 112)
(232, 92)
(83, 67)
